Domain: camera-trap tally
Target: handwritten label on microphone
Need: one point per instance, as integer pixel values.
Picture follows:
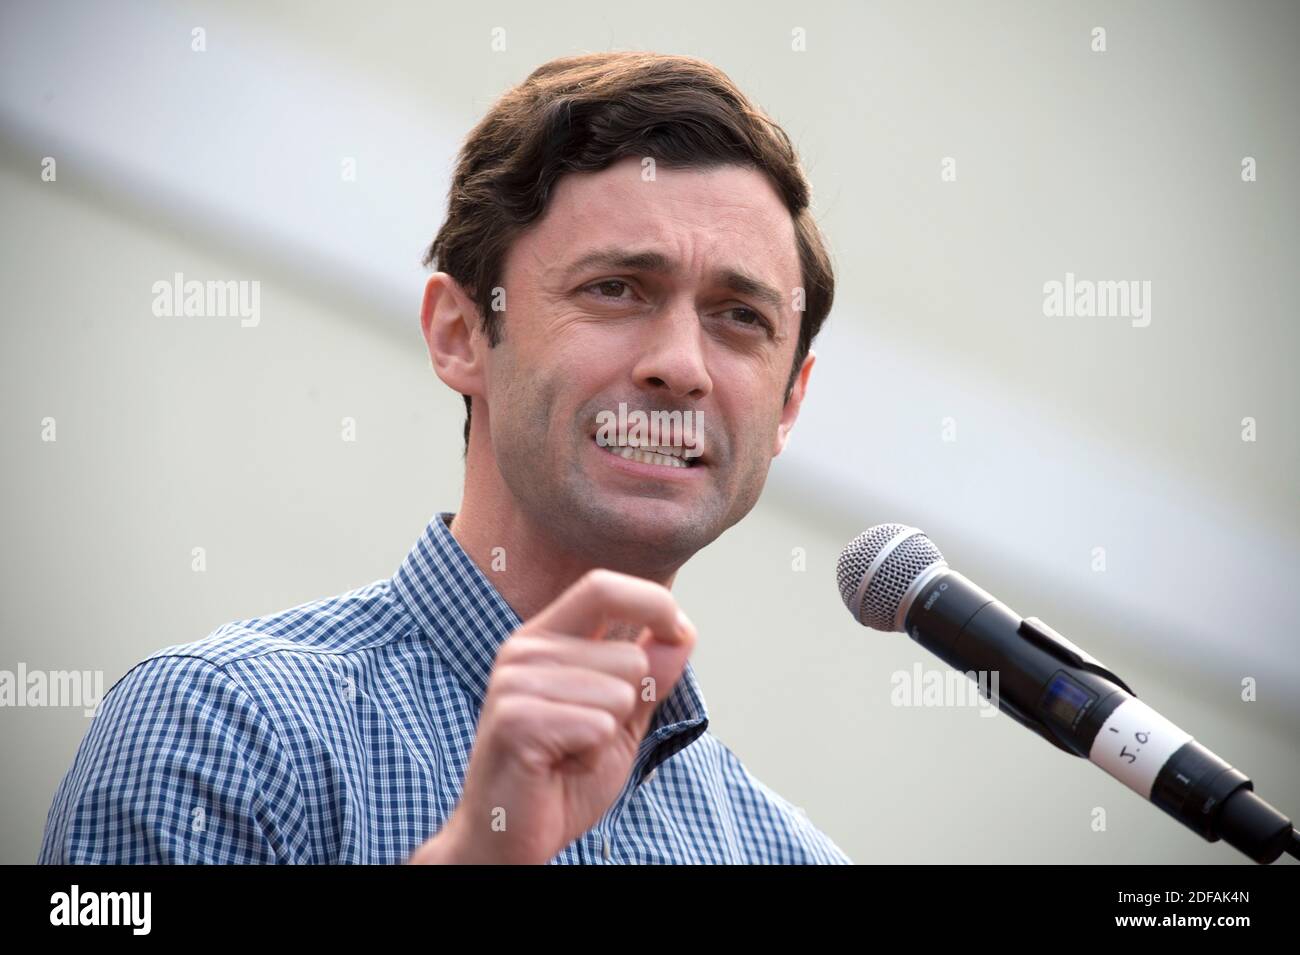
(1134, 744)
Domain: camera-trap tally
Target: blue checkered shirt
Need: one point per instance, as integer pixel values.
(339, 731)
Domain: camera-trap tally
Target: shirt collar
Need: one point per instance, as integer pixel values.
(467, 620)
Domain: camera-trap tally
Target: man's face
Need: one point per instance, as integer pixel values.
(675, 294)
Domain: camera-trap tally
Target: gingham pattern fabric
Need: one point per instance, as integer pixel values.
(339, 731)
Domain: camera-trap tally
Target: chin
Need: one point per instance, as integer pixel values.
(642, 525)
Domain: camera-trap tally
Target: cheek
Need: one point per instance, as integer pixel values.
(766, 427)
(535, 399)
(513, 398)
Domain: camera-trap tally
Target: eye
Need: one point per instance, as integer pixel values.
(747, 316)
(605, 285)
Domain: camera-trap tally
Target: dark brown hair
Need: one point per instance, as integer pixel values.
(584, 113)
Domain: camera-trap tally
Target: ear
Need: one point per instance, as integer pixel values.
(791, 410)
(450, 322)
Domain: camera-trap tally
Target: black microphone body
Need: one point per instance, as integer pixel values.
(1051, 687)
(893, 578)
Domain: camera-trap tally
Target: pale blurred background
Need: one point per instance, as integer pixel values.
(1071, 433)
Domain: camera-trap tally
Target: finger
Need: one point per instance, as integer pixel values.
(602, 597)
(667, 663)
(627, 661)
(566, 684)
(555, 729)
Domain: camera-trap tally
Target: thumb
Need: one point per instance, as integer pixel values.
(667, 662)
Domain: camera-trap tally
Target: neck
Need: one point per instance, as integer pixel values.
(493, 532)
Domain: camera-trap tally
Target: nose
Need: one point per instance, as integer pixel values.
(672, 357)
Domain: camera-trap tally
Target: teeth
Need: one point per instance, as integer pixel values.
(646, 456)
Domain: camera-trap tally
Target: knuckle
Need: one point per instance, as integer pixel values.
(519, 646)
(506, 679)
(599, 579)
(638, 659)
(606, 723)
(511, 713)
(629, 697)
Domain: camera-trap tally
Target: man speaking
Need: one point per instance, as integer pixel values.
(629, 282)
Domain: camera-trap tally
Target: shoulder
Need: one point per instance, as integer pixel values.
(180, 764)
(351, 622)
(259, 657)
(778, 830)
(191, 755)
(257, 675)
(313, 645)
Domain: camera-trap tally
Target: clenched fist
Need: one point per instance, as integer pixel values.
(563, 717)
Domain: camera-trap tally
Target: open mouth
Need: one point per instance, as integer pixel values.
(659, 455)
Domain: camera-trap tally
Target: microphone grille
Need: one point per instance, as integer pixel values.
(907, 553)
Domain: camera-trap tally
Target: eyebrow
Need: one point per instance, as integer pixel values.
(734, 280)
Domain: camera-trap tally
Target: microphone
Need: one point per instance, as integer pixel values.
(893, 578)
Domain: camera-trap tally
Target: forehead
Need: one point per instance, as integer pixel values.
(708, 217)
